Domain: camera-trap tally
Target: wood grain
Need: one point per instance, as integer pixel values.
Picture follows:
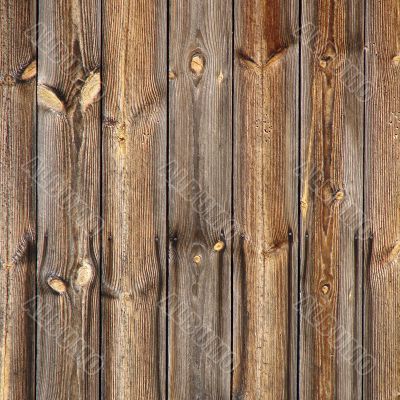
(200, 192)
(331, 199)
(134, 187)
(382, 283)
(265, 200)
(68, 200)
(17, 201)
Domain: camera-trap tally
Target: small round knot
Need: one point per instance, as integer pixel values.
(84, 274)
(197, 259)
(197, 64)
(220, 245)
(325, 289)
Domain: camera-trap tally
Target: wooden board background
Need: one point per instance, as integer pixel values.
(199, 199)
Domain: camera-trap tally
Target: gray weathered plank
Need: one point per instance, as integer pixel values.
(382, 189)
(265, 207)
(17, 211)
(134, 192)
(200, 199)
(68, 199)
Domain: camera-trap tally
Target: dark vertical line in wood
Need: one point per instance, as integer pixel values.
(157, 358)
(36, 200)
(366, 313)
(233, 232)
(244, 328)
(364, 228)
(299, 230)
(289, 313)
(101, 205)
(167, 234)
(357, 277)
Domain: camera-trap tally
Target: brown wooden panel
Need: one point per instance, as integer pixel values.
(200, 192)
(265, 207)
(331, 199)
(134, 154)
(68, 199)
(17, 210)
(382, 191)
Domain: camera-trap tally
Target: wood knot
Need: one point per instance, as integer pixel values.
(197, 64)
(220, 245)
(325, 289)
(396, 60)
(339, 195)
(84, 274)
(29, 72)
(171, 75)
(197, 259)
(57, 284)
(48, 98)
(90, 90)
(328, 56)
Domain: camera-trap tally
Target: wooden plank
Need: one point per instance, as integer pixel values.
(134, 153)
(331, 199)
(266, 152)
(382, 190)
(17, 207)
(68, 199)
(200, 192)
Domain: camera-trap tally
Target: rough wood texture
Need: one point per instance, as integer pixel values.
(331, 199)
(382, 283)
(265, 201)
(134, 155)
(68, 200)
(17, 211)
(200, 199)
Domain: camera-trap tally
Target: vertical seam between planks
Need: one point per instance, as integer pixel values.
(167, 209)
(299, 227)
(363, 266)
(232, 186)
(101, 205)
(35, 172)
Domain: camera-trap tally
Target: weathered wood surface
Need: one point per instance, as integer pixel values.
(265, 200)
(68, 199)
(382, 189)
(331, 199)
(200, 174)
(217, 199)
(17, 210)
(134, 208)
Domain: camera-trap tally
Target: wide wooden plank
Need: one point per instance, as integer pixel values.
(134, 154)
(382, 189)
(68, 199)
(200, 174)
(17, 210)
(265, 207)
(331, 199)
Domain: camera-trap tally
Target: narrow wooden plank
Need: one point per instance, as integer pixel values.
(331, 199)
(200, 192)
(134, 153)
(68, 199)
(382, 200)
(17, 210)
(266, 152)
